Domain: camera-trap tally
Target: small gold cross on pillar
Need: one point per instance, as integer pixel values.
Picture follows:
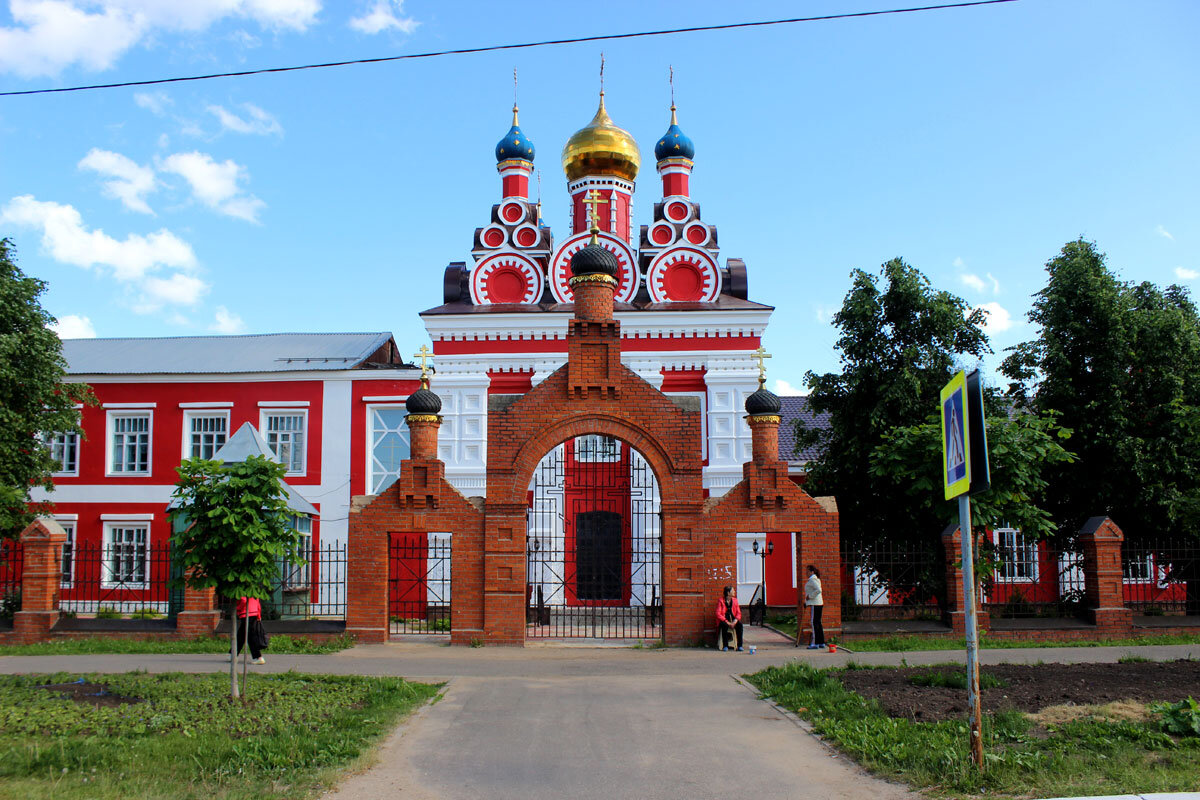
(424, 354)
(592, 200)
(760, 355)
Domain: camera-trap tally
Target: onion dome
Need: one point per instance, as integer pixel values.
(601, 148)
(674, 144)
(594, 260)
(515, 144)
(423, 401)
(762, 403)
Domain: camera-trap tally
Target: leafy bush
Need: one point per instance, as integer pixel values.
(1179, 719)
(146, 613)
(107, 612)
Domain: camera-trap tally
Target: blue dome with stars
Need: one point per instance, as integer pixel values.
(674, 143)
(516, 144)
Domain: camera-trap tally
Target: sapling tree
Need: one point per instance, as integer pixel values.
(235, 529)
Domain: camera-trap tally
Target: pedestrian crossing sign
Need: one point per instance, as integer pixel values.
(956, 442)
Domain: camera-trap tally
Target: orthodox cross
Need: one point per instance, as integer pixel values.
(425, 354)
(760, 355)
(592, 200)
(671, 80)
(602, 74)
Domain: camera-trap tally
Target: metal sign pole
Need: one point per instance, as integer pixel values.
(969, 606)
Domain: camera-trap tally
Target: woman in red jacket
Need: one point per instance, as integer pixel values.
(729, 619)
(249, 611)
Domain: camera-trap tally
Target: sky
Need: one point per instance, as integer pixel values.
(971, 142)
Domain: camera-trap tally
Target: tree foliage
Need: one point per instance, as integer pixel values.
(33, 399)
(900, 341)
(1119, 363)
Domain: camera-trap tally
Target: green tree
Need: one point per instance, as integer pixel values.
(233, 528)
(900, 341)
(1119, 364)
(34, 401)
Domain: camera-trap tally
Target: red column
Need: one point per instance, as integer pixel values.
(955, 614)
(1100, 540)
(41, 580)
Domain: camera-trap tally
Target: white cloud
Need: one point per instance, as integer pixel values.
(48, 36)
(130, 181)
(1185, 274)
(973, 281)
(959, 263)
(384, 15)
(227, 322)
(998, 318)
(176, 290)
(73, 326)
(825, 313)
(154, 102)
(995, 283)
(1163, 232)
(68, 240)
(214, 184)
(256, 121)
(782, 388)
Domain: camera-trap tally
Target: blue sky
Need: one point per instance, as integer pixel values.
(972, 142)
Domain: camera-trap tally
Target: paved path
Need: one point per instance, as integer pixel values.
(593, 722)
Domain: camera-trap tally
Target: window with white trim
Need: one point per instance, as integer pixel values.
(126, 555)
(596, 447)
(205, 433)
(389, 445)
(285, 436)
(1017, 556)
(129, 443)
(64, 449)
(295, 573)
(1139, 568)
(68, 552)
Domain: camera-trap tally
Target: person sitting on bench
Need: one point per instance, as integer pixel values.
(729, 620)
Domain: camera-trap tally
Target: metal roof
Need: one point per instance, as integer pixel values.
(794, 408)
(266, 352)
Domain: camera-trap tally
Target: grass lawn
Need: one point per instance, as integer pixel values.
(281, 644)
(184, 738)
(1078, 757)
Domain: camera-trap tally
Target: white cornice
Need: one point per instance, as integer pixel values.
(634, 325)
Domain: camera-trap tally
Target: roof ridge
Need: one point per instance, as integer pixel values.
(227, 336)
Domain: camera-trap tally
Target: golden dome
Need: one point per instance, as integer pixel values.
(601, 148)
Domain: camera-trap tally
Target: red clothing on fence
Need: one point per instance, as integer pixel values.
(250, 605)
(737, 610)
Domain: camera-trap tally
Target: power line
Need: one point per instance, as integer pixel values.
(520, 46)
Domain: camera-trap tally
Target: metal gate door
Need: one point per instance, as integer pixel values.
(594, 544)
(419, 583)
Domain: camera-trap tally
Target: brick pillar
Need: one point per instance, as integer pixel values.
(41, 580)
(367, 572)
(822, 547)
(504, 573)
(1100, 539)
(955, 614)
(200, 614)
(423, 436)
(594, 297)
(764, 433)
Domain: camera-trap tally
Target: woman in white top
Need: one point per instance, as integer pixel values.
(816, 603)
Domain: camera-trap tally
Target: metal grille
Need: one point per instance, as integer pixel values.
(1035, 578)
(419, 583)
(126, 576)
(594, 544)
(313, 588)
(1162, 578)
(11, 570)
(892, 580)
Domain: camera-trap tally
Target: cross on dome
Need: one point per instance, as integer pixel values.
(592, 200)
(760, 355)
(424, 354)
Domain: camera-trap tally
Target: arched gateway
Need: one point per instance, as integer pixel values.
(584, 407)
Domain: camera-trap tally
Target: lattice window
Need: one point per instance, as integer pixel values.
(206, 434)
(131, 443)
(285, 436)
(1017, 556)
(389, 446)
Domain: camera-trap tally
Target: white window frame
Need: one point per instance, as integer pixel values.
(303, 524)
(70, 524)
(283, 410)
(110, 433)
(1020, 546)
(585, 455)
(106, 575)
(199, 413)
(50, 440)
(370, 436)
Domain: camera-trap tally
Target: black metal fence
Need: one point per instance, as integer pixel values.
(419, 583)
(1031, 579)
(310, 588)
(889, 580)
(12, 567)
(121, 579)
(1162, 578)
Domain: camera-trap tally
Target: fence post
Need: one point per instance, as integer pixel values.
(200, 614)
(1100, 539)
(41, 580)
(955, 615)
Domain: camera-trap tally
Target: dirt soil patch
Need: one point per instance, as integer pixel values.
(1029, 688)
(95, 694)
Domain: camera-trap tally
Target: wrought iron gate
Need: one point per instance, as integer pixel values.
(594, 544)
(419, 583)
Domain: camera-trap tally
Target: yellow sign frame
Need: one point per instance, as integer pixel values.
(955, 389)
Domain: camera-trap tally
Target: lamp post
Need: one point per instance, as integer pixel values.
(763, 552)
